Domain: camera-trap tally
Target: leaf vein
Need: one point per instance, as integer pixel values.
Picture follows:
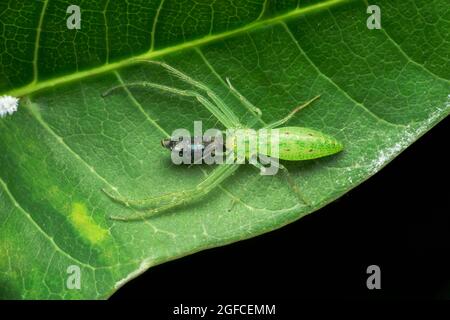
(404, 54)
(38, 227)
(331, 81)
(139, 106)
(37, 42)
(155, 21)
(35, 86)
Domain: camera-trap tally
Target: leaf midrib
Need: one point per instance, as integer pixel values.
(151, 54)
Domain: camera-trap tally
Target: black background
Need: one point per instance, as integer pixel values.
(398, 220)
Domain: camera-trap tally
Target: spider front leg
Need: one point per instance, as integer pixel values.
(253, 109)
(216, 110)
(291, 114)
(168, 201)
(229, 114)
(216, 99)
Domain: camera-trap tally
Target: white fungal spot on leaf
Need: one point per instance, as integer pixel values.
(8, 105)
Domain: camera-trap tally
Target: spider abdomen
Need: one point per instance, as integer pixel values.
(294, 143)
(298, 143)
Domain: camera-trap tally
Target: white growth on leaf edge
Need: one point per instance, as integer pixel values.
(8, 105)
(410, 135)
(147, 263)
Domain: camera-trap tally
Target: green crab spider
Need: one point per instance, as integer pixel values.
(295, 144)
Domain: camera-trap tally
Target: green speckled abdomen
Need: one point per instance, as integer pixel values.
(294, 143)
(297, 143)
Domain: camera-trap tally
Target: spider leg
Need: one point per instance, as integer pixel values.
(214, 109)
(286, 173)
(233, 119)
(253, 109)
(291, 114)
(172, 200)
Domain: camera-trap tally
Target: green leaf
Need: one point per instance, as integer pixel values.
(380, 91)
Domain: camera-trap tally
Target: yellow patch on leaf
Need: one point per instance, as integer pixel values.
(87, 227)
